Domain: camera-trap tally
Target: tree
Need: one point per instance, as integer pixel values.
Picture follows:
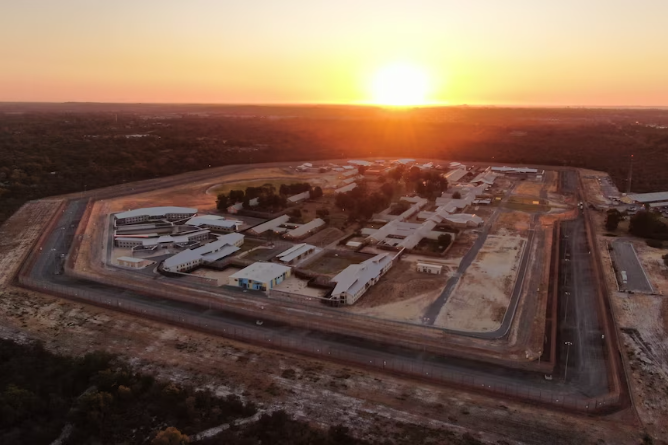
(322, 213)
(612, 220)
(444, 240)
(316, 193)
(170, 436)
(222, 202)
(382, 179)
(414, 174)
(236, 196)
(387, 189)
(665, 259)
(647, 225)
(296, 213)
(361, 169)
(456, 195)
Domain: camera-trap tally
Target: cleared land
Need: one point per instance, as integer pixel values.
(299, 286)
(652, 262)
(403, 294)
(481, 298)
(220, 275)
(325, 237)
(334, 261)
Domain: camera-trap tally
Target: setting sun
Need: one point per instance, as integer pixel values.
(400, 85)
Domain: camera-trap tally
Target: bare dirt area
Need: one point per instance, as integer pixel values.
(481, 298)
(20, 232)
(220, 275)
(643, 322)
(333, 262)
(462, 244)
(402, 284)
(508, 223)
(406, 412)
(299, 286)
(528, 188)
(325, 237)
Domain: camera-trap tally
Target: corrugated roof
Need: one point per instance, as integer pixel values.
(270, 224)
(299, 197)
(649, 197)
(155, 211)
(306, 228)
(346, 188)
(294, 251)
(261, 272)
(354, 277)
(659, 204)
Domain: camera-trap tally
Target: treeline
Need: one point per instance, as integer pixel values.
(427, 184)
(47, 153)
(361, 204)
(105, 402)
(267, 198)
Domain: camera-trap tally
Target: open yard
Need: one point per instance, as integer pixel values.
(402, 294)
(220, 275)
(481, 298)
(334, 261)
(511, 223)
(299, 286)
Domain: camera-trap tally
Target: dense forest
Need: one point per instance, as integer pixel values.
(98, 399)
(52, 149)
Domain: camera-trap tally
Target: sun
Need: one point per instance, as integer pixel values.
(400, 85)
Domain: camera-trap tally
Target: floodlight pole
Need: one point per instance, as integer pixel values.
(568, 349)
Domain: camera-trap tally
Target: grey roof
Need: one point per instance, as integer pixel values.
(210, 252)
(155, 211)
(659, 204)
(306, 228)
(294, 251)
(271, 224)
(300, 196)
(261, 272)
(354, 277)
(649, 197)
(130, 259)
(213, 220)
(356, 162)
(455, 175)
(515, 169)
(346, 188)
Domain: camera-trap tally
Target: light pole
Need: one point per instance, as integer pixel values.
(568, 349)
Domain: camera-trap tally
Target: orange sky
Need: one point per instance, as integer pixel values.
(519, 52)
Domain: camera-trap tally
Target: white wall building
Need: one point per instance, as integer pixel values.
(296, 253)
(356, 279)
(168, 213)
(215, 223)
(306, 229)
(164, 241)
(429, 268)
(294, 199)
(134, 263)
(260, 276)
(189, 259)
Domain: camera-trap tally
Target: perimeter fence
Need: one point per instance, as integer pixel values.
(330, 350)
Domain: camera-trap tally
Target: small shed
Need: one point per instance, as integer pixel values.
(429, 268)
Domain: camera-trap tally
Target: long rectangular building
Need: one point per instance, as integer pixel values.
(189, 259)
(306, 229)
(356, 279)
(168, 213)
(260, 276)
(645, 198)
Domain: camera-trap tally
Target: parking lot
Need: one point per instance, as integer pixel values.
(626, 260)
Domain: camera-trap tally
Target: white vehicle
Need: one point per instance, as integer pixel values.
(624, 277)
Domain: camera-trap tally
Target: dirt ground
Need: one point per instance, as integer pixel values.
(299, 286)
(220, 275)
(402, 294)
(511, 223)
(481, 298)
(462, 244)
(333, 262)
(19, 232)
(528, 188)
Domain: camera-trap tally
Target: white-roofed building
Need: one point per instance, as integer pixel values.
(346, 188)
(405, 161)
(260, 276)
(487, 177)
(296, 253)
(215, 223)
(362, 163)
(133, 263)
(349, 173)
(164, 241)
(656, 205)
(269, 225)
(464, 220)
(356, 279)
(189, 259)
(168, 213)
(514, 170)
(645, 198)
(429, 268)
(306, 229)
(455, 175)
(234, 208)
(294, 199)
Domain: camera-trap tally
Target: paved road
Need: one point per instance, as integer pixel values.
(626, 259)
(579, 320)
